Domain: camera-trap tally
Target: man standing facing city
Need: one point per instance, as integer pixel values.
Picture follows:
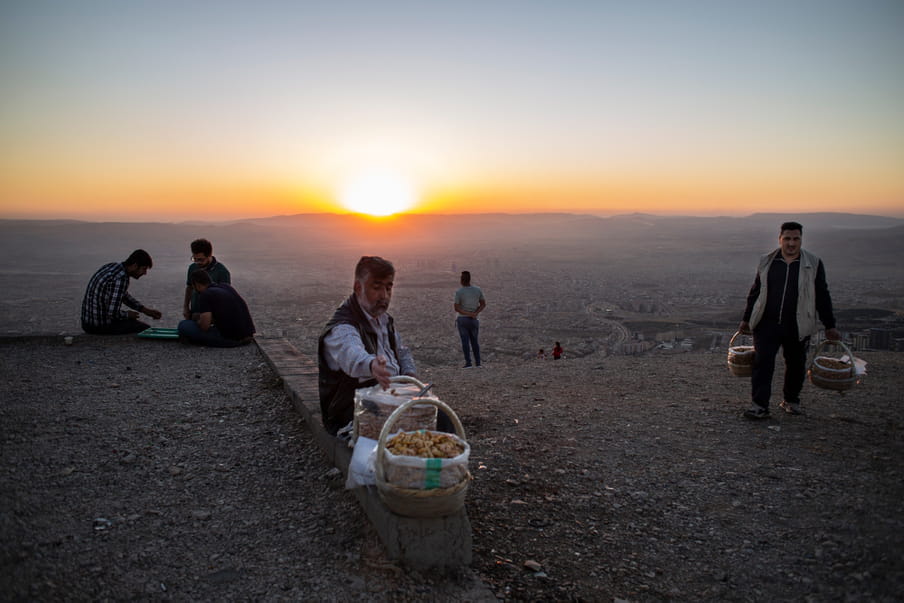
(469, 302)
(789, 291)
(108, 290)
(359, 346)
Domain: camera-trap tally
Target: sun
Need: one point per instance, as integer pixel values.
(378, 192)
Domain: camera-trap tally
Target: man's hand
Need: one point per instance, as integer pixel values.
(132, 314)
(186, 313)
(744, 328)
(833, 335)
(155, 314)
(379, 371)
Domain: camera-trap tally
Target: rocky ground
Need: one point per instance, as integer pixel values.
(136, 469)
(636, 478)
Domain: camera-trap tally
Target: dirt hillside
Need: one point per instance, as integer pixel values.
(148, 470)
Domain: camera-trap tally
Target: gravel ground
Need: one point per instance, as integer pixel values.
(636, 478)
(136, 469)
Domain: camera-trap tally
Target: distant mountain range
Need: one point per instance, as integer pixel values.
(848, 238)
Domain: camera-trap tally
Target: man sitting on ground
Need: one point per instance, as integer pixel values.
(359, 346)
(223, 321)
(202, 259)
(108, 290)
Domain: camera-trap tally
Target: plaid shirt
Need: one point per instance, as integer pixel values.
(107, 290)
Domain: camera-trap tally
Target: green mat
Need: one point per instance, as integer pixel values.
(159, 333)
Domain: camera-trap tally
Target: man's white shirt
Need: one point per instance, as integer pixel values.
(344, 350)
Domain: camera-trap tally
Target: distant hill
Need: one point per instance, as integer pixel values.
(846, 238)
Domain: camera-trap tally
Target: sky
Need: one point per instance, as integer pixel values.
(182, 110)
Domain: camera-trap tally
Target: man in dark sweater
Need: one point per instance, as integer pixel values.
(223, 321)
(789, 291)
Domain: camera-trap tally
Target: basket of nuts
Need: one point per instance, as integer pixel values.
(422, 473)
(740, 357)
(833, 373)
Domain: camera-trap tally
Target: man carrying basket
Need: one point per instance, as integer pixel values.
(789, 291)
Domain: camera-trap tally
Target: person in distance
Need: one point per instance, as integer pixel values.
(469, 302)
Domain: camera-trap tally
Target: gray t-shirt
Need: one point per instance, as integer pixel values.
(469, 298)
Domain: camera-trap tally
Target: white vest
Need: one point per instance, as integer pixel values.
(806, 292)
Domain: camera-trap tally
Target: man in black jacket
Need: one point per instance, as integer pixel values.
(788, 293)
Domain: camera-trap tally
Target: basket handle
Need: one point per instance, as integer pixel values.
(733, 337)
(390, 422)
(834, 342)
(406, 379)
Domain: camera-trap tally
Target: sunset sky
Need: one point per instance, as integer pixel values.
(166, 110)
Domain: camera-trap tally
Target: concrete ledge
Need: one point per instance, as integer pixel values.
(442, 542)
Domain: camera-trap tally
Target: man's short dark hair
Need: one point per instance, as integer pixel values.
(200, 277)
(140, 257)
(202, 246)
(791, 226)
(375, 266)
(465, 277)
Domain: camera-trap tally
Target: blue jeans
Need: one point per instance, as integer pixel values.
(468, 329)
(211, 337)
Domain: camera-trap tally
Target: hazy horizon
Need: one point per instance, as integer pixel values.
(403, 215)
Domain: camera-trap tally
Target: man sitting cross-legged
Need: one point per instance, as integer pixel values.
(223, 321)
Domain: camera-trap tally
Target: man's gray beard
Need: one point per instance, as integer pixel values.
(375, 311)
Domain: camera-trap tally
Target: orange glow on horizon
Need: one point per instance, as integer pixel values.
(128, 199)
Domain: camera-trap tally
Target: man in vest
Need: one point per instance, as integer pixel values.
(359, 346)
(789, 291)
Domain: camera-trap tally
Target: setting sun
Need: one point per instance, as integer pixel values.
(378, 192)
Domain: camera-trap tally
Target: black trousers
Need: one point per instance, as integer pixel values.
(767, 339)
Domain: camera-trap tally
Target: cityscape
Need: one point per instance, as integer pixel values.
(622, 286)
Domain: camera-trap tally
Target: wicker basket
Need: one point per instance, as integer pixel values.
(833, 373)
(373, 406)
(417, 502)
(740, 357)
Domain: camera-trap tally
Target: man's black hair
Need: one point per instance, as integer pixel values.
(465, 278)
(375, 266)
(791, 226)
(140, 257)
(202, 246)
(200, 277)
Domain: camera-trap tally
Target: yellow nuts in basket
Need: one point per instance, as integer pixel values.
(425, 444)
(832, 363)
